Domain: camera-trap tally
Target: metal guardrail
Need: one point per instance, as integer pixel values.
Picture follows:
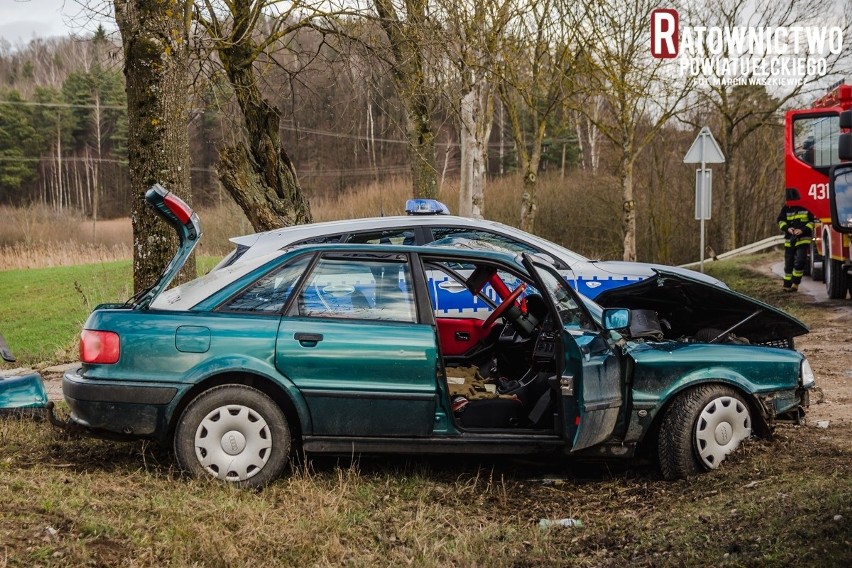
(758, 246)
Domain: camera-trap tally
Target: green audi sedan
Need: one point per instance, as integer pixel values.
(361, 349)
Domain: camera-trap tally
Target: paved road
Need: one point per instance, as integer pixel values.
(808, 285)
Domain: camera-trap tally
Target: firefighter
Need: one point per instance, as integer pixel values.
(797, 224)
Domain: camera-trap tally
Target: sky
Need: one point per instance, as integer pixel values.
(23, 20)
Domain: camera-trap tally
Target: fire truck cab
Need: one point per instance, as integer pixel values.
(811, 141)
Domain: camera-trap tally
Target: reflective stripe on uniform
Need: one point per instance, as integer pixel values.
(800, 216)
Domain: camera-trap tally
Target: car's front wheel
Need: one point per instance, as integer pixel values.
(233, 433)
(700, 428)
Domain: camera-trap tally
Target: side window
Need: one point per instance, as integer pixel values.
(477, 238)
(400, 236)
(270, 292)
(320, 240)
(451, 298)
(815, 140)
(359, 288)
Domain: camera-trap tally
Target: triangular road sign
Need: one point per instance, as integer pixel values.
(704, 149)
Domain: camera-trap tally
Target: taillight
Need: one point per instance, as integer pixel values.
(178, 207)
(101, 347)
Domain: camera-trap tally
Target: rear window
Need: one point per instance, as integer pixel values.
(270, 292)
(187, 295)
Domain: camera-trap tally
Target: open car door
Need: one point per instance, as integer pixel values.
(591, 386)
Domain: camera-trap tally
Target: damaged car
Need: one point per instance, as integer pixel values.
(345, 349)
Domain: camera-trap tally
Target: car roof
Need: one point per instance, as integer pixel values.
(295, 232)
(472, 253)
(268, 241)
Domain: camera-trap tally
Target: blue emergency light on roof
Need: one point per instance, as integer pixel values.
(425, 207)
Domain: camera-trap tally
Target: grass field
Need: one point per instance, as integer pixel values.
(42, 310)
(72, 501)
(79, 501)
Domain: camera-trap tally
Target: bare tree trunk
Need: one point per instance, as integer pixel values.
(156, 72)
(446, 167)
(729, 197)
(78, 185)
(628, 219)
(58, 165)
(406, 38)
(421, 149)
(466, 143)
(477, 114)
(579, 130)
(260, 178)
(97, 165)
(371, 146)
(528, 202)
(256, 171)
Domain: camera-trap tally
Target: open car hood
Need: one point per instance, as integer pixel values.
(686, 305)
(180, 216)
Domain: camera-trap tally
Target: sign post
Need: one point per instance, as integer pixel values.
(704, 150)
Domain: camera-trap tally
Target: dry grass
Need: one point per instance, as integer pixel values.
(78, 501)
(570, 210)
(36, 237)
(52, 254)
(569, 213)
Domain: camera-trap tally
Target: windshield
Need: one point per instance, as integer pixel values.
(571, 313)
(563, 253)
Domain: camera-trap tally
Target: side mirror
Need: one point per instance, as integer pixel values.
(616, 318)
(840, 198)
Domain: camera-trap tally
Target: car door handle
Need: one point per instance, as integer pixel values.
(307, 339)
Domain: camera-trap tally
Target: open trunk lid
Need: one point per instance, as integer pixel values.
(180, 216)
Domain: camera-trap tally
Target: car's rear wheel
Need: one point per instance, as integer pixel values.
(700, 428)
(233, 433)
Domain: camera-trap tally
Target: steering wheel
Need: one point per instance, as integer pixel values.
(504, 305)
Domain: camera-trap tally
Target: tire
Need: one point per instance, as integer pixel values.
(701, 427)
(835, 277)
(252, 426)
(815, 264)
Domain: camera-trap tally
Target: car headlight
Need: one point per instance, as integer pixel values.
(806, 374)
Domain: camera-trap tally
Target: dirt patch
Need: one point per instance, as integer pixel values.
(829, 350)
(830, 353)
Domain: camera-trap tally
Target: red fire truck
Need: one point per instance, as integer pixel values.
(810, 149)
